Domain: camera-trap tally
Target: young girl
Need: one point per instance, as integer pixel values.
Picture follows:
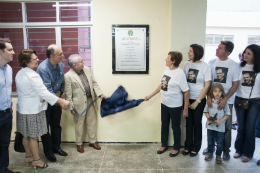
(216, 127)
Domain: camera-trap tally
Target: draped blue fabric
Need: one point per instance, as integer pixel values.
(117, 102)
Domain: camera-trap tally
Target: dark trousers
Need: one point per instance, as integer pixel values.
(219, 137)
(194, 127)
(227, 134)
(5, 135)
(257, 127)
(53, 141)
(246, 120)
(173, 114)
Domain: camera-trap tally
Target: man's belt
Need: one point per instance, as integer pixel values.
(256, 98)
(8, 109)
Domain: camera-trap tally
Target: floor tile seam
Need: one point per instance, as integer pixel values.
(160, 162)
(102, 159)
(223, 168)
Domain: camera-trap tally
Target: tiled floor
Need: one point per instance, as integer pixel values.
(137, 158)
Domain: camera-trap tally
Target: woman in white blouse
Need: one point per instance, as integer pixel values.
(246, 118)
(198, 75)
(173, 86)
(31, 106)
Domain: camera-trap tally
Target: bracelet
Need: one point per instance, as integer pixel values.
(198, 100)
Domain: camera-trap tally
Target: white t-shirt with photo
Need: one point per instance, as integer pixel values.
(201, 73)
(229, 71)
(173, 83)
(244, 87)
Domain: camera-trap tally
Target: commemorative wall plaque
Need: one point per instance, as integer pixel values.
(130, 51)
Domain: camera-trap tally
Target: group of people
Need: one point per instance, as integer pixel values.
(210, 88)
(42, 95)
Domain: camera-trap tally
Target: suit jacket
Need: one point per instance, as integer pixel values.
(75, 92)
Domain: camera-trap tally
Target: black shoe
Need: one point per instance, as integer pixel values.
(233, 127)
(226, 156)
(257, 136)
(51, 157)
(205, 151)
(160, 152)
(185, 153)
(258, 162)
(193, 154)
(11, 172)
(174, 155)
(60, 152)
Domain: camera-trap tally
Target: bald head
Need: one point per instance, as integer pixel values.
(54, 54)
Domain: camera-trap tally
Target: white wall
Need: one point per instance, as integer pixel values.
(174, 25)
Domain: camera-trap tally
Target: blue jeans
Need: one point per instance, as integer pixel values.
(5, 135)
(219, 137)
(246, 120)
(257, 126)
(175, 115)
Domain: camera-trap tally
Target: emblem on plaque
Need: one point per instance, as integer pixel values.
(130, 33)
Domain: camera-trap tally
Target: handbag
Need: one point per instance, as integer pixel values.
(243, 103)
(18, 143)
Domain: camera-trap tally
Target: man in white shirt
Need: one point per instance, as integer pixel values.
(230, 86)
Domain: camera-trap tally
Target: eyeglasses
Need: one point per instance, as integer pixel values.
(80, 62)
(35, 58)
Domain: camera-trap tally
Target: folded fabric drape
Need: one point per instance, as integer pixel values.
(117, 102)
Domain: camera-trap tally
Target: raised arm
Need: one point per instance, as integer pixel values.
(156, 91)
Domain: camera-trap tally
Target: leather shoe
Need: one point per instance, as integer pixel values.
(160, 152)
(80, 148)
(9, 171)
(258, 162)
(95, 146)
(236, 155)
(61, 152)
(226, 156)
(51, 157)
(174, 155)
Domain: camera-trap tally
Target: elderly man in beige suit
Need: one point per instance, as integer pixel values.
(81, 88)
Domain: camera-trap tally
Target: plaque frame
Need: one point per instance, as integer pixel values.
(114, 49)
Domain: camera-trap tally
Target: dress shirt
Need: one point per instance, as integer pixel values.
(52, 77)
(6, 87)
(85, 83)
(31, 91)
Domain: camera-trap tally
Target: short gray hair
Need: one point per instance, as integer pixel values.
(73, 60)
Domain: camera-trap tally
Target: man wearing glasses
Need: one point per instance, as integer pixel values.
(6, 112)
(51, 71)
(81, 88)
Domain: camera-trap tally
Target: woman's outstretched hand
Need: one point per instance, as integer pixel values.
(147, 98)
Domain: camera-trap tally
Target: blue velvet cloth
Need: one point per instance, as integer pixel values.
(117, 102)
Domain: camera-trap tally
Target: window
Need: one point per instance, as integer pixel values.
(10, 12)
(212, 39)
(37, 25)
(253, 39)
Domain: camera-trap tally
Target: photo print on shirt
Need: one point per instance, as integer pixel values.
(221, 74)
(248, 78)
(164, 82)
(192, 75)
